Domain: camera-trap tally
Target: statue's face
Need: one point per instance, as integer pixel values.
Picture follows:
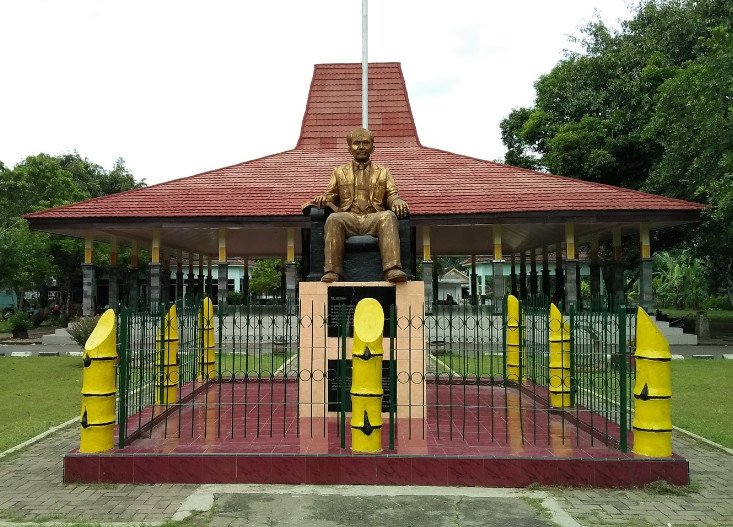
(361, 147)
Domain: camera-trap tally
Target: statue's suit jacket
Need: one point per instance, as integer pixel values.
(382, 188)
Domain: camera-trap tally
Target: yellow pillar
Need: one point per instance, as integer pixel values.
(498, 253)
(98, 388)
(366, 384)
(223, 246)
(652, 423)
(207, 362)
(569, 241)
(426, 256)
(291, 245)
(559, 360)
(88, 248)
(646, 251)
(514, 352)
(155, 247)
(166, 386)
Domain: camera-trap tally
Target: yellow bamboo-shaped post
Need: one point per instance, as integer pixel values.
(366, 382)
(207, 358)
(166, 389)
(559, 360)
(652, 422)
(98, 388)
(514, 351)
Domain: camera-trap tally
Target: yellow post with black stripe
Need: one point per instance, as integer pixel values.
(559, 359)
(166, 386)
(207, 357)
(652, 422)
(514, 351)
(366, 382)
(98, 388)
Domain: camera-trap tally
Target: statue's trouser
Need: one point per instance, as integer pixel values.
(340, 225)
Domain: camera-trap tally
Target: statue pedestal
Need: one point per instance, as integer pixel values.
(317, 347)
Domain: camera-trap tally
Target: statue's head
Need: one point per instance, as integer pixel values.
(361, 144)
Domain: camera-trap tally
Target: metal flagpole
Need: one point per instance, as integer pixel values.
(364, 63)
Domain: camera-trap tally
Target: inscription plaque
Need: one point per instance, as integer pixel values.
(349, 296)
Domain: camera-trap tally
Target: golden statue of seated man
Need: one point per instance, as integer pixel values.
(366, 201)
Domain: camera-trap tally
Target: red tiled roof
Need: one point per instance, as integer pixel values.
(431, 181)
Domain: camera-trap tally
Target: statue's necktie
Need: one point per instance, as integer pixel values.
(361, 178)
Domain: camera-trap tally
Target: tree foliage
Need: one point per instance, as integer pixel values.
(647, 107)
(266, 276)
(30, 259)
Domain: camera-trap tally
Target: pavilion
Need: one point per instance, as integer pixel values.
(459, 205)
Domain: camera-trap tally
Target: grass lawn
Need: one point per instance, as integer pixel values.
(702, 400)
(37, 393)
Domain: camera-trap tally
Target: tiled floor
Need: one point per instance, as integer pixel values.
(472, 435)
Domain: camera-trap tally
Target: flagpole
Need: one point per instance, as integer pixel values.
(364, 63)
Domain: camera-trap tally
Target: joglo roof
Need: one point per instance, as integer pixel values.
(443, 189)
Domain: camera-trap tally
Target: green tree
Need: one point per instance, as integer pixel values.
(647, 107)
(266, 276)
(40, 182)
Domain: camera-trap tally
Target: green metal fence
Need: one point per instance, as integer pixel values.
(261, 379)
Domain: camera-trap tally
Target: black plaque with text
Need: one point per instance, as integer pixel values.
(349, 296)
(334, 385)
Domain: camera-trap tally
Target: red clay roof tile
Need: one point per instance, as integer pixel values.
(432, 181)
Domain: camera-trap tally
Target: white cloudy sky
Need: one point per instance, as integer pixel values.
(179, 87)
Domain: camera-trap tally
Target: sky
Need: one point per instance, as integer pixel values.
(178, 87)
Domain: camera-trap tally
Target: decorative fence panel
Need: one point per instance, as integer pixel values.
(276, 377)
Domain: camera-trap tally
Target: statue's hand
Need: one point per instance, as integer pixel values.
(399, 207)
(320, 201)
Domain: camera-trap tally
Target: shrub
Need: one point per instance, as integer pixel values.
(82, 328)
(717, 302)
(234, 298)
(20, 320)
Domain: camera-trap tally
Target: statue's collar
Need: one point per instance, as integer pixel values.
(361, 166)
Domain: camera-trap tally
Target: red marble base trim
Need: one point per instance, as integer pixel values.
(382, 469)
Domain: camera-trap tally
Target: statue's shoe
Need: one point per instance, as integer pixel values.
(395, 275)
(330, 277)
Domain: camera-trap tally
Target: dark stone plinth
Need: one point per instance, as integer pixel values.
(362, 259)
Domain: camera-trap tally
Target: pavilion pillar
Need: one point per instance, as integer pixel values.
(559, 286)
(513, 276)
(546, 285)
(474, 282)
(291, 269)
(201, 279)
(533, 289)
(245, 279)
(156, 285)
(190, 279)
(209, 279)
(618, 268)
(113, 299)
(427, 269)
(222, 268)
(497, 271)
(523, 275)
(646, 294)
(571, 266)
(165, 282)
(595, 269)
(179, 275)
(134, 297)
(88, 277)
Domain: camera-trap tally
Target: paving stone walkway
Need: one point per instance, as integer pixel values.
(32, 490)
